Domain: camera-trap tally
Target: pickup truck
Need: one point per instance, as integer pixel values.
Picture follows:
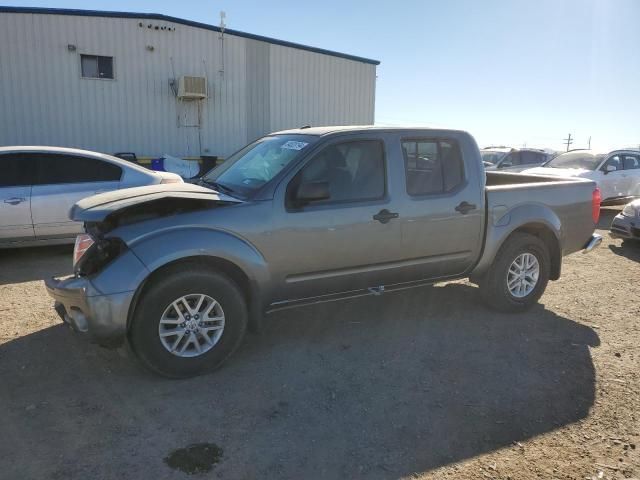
(311, 215)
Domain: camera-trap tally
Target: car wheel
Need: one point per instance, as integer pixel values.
(188, 322)
(519, 274)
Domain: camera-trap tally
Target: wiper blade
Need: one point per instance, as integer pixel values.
(218, 186)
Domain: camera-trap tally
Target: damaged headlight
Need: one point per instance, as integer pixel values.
(90, 255)
(630, 210)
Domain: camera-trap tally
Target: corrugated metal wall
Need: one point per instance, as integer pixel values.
(262, 87)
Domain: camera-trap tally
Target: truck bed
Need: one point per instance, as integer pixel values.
(562, 204)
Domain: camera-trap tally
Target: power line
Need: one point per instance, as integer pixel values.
(568, 141)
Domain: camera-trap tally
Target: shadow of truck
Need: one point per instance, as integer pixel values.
(379, 387)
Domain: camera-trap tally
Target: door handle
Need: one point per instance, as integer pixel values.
(384, 215)
(15, 200)
(465, 207)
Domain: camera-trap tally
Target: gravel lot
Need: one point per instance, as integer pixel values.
(425, 383)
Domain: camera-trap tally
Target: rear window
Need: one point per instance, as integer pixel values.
(432, 166)
(58, 168)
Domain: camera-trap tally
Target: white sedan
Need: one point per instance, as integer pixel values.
(617, 173)
(39, 185)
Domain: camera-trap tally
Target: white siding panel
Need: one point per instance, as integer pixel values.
(44, 100)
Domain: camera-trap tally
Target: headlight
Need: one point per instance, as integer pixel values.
(83, 243)
(630, 210)
(90, 256)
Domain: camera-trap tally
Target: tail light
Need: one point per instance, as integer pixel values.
(596, 199)
(83, 243)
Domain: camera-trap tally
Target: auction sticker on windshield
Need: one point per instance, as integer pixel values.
(293, 145)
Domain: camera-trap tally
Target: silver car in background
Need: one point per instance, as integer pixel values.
(512, 159)
(39, 185)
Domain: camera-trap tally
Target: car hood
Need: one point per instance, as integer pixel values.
(178, 195)
(558, 172)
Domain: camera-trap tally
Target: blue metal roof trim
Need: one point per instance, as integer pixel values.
(190, 23)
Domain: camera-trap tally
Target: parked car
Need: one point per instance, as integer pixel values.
(39, 185)
(617, 173)
(626, 225)
(512, 159)
(306, 216)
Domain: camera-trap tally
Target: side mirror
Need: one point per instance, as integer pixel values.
(610, 168)
(506, 164)
(311, 192)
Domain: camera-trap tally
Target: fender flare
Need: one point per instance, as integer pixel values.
(176, 244)
(534, 218)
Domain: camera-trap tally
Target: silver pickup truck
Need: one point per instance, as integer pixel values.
(310, 215)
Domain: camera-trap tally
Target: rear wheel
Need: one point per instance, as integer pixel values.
(519, 274)
(188, 322)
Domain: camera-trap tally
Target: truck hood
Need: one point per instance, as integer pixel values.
(558, 172)
(163, 199)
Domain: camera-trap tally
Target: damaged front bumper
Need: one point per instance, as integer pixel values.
(103, 318)
(626, 228)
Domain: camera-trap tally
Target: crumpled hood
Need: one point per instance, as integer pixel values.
(97, 207)
(557, 172)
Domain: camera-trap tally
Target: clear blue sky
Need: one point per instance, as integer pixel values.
(509, 71)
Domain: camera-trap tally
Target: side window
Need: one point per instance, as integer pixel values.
(354, 171)
(512, 160)
(57, 169)
(615, 162)
(631, 162)
(16, 170)
(529, 158)
(432, 166)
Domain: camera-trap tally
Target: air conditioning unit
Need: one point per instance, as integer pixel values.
(192, 88)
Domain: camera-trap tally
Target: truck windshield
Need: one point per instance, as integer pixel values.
(585, 160)
(492, 157)
(250, 168)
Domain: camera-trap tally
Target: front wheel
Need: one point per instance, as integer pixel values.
(188, 322)
(519, 274)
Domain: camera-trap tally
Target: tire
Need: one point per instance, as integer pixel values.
(186, 284)
(494, 287)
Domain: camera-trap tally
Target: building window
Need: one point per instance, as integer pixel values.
(95, 66)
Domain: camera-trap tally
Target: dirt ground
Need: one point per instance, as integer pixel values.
(425, 383)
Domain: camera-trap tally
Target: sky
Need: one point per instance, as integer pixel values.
(511, 72)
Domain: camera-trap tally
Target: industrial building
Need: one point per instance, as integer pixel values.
(153, 84)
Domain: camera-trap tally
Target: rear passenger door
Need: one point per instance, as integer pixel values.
(442, 217)
(60, 181)
(15, 197)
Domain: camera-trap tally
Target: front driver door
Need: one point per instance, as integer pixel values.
(613, 183)
(342, 243)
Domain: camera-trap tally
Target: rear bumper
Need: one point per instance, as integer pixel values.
(627, 228)
(593, 242)
(102, 318)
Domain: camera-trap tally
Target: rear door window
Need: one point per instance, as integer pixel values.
(16, 170)
(59, 168)
(432, 166)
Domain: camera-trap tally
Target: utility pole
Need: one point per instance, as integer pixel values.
(568, 141)
(589, 142)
